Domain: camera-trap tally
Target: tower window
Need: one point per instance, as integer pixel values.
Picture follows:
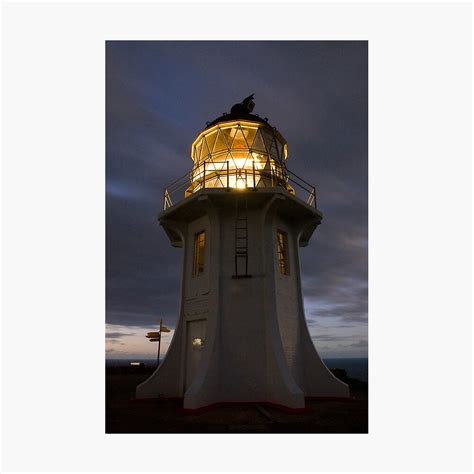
(199, 245)
(282, 252)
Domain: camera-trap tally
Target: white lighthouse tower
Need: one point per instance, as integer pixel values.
(240, 215)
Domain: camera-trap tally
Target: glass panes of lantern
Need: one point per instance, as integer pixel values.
(238, 155)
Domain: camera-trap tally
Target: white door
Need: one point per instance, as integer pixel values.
(195, 343)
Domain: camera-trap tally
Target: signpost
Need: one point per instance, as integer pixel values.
(155, 336)
(159, 345)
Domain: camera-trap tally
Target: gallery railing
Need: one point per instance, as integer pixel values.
(208, 175)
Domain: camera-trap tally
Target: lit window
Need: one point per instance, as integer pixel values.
(282, 252)
(198, 261)
(198, 343)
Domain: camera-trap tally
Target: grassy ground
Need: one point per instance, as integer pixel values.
(126, 415)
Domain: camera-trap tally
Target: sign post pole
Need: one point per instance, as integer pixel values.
(159, 344)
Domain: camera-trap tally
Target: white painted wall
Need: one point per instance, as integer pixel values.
(257, 345)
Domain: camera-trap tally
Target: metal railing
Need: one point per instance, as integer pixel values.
(224, 177)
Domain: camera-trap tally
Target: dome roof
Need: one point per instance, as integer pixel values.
(240, 111)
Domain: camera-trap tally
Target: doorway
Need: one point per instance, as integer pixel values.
(195, 343)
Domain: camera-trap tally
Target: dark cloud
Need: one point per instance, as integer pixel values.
(118, 335)
(327, 338)
(115, 342)
(160, 95)
(361, 344)
(115, 351)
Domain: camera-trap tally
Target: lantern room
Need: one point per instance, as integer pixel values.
(238, 154)
(238, 151)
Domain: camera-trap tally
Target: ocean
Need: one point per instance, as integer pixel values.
(356, 368)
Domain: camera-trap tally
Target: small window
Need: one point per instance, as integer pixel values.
(198, 260)
(198, 343)
(282, 252)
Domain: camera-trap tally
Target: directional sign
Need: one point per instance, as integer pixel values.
(155, 336)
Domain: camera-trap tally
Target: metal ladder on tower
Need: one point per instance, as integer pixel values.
(241, 238)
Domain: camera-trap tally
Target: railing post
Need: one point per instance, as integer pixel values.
(204, 175)
(166, 199)
(227, 175)
(253, 171)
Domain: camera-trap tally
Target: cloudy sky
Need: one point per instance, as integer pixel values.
(159, 96)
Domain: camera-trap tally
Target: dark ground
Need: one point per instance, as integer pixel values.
(126, 415)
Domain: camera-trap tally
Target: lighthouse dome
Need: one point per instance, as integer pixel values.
(241, 111)
(238, 150)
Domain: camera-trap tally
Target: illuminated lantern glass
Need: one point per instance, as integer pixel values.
(238, 154)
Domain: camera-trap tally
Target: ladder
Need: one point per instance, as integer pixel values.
(241, 239)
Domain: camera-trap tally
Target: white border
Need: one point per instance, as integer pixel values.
(419, 252)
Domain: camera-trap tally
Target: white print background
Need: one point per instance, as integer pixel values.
(419, 236)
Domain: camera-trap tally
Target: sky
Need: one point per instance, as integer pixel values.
(159, 96)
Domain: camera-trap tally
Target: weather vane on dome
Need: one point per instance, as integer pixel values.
(246, 106)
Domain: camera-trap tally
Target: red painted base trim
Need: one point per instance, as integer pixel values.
(206, 408)
(157, 399)
(212, 406)
(330, 399)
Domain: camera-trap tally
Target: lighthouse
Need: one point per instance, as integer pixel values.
(240, 217)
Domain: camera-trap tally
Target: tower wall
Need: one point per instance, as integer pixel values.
(256, 343)
(287, 300)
